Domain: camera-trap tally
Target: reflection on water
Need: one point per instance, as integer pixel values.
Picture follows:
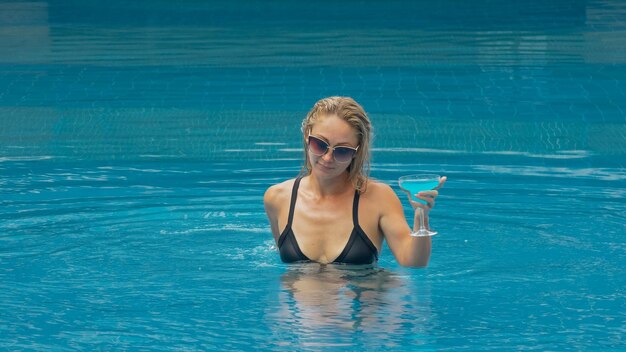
(328, 305)
(136, 143)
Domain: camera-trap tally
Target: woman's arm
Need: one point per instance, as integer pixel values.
(276, 200)
(409, 251)
(270, 201)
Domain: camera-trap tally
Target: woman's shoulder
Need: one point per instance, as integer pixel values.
(378, 190)
(379, 199)
(279, 192)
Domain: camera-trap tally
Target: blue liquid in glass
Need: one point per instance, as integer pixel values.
(416, 186)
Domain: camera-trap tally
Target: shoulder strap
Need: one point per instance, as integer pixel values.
(294, 195)
(357, 228)
(355, 209)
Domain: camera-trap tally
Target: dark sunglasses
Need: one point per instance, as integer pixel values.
(341, 154)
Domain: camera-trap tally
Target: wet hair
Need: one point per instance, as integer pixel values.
(350, 111)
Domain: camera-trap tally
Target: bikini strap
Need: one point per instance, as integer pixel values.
(355, 209)
(292, 205)
(359, 231)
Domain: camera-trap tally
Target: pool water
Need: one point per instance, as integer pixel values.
(137, 139)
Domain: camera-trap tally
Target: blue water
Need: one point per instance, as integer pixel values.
(137, 139)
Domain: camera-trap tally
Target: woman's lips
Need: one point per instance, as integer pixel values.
(326, 167)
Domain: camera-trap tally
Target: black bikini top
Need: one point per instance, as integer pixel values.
(358, 250)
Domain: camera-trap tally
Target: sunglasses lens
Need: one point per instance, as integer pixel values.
(343, 154)
(317, 146)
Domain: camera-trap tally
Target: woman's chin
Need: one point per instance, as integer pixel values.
(327, 171)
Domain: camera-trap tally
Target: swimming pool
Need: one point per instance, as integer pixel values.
(136, 141)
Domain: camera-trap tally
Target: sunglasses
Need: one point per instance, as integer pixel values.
(341, 154)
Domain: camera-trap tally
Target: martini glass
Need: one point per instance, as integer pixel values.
(414, 184)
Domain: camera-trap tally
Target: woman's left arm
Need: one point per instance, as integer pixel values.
(409, 251)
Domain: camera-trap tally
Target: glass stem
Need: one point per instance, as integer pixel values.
(421, 211)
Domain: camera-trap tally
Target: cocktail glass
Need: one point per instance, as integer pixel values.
(414, 184)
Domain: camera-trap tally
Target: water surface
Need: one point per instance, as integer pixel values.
(136, 141)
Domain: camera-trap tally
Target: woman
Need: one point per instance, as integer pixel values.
(333, 213)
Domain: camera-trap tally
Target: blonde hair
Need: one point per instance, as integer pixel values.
(350, 111)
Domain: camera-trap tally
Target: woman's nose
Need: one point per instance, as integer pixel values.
(328, 157)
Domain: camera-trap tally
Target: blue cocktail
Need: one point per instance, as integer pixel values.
(413, 184)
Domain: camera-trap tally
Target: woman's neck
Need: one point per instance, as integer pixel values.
(329, 187)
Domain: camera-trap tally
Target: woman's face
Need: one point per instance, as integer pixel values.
(335, 132)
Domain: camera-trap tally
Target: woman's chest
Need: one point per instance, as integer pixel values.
(323, 230)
